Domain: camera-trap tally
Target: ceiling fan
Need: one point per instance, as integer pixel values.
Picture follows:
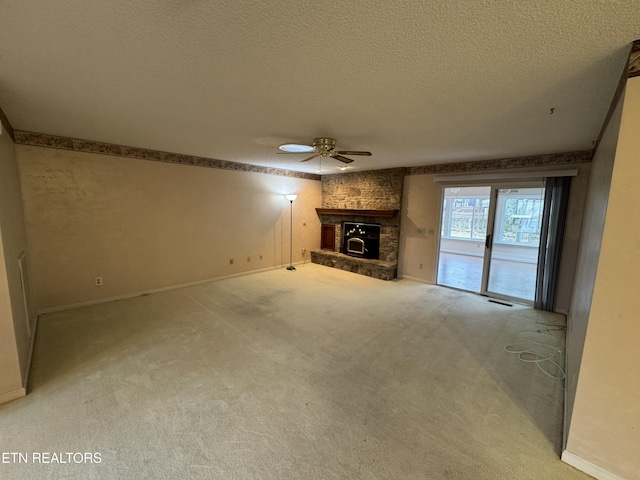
(321, 147)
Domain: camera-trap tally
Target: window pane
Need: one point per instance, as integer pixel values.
(461, 215)
(464, 213)
(521, 221)
(445, 224)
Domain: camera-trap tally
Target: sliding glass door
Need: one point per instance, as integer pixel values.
(489, 239)
(512, 247)
(465, 215)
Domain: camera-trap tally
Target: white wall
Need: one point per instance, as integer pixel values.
(500, 251)
(144, 225)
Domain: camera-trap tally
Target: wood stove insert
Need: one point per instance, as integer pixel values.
(361, 240)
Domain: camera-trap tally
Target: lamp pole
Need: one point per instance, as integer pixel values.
(291, 198)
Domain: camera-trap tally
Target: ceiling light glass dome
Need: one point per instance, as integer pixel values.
(296, 148)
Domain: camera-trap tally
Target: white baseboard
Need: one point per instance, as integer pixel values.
(156, 290)
(13, 395)
(587, 467)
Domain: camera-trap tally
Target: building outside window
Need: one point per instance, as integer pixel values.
(518, 216)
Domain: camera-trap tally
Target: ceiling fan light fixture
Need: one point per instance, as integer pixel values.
(321, 147)
(296, 148)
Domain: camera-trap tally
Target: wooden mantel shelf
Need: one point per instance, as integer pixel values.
(357, 213)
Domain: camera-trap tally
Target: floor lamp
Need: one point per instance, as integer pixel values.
(291, 198)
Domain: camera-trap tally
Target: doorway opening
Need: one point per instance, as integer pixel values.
(490, 239)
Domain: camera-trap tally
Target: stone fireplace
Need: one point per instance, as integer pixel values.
(361, 198)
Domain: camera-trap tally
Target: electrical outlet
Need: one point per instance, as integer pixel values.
(303, 251)
(98, 281)
(231, 261)
(248, 259)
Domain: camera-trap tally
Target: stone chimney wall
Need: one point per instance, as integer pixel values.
(371, 190)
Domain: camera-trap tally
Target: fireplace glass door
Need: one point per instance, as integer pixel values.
(361, 240)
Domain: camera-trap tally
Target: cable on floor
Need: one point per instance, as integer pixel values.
(542, 354)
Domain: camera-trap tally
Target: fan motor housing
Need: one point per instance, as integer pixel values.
(324, 142)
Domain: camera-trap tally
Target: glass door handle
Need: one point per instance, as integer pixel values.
(488, 241)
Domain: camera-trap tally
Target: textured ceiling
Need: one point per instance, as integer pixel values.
(415, 82)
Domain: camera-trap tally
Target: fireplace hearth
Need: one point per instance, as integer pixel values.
(361, 240)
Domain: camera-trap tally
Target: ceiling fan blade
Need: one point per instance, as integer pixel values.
(342, 159)
(292, 153)
(351, 152)
(310, 158)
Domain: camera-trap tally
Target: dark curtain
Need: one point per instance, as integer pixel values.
(556, 199)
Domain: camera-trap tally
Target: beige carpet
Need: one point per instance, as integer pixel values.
(312, 374)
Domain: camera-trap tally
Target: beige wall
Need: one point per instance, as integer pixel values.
(605, 425)
(421, 203)
(421, 207)
(589, 253)
(10, 375)
(144, 225)
(15, 340)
